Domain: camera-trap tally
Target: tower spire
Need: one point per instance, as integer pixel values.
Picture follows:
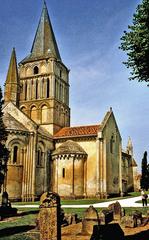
(12, 81)
(44, 43)
(130, 146)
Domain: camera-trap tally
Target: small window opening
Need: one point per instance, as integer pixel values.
(111, 144)
(25, 91)
(39, 158)
(60, 73)
(63, 172)
(37, 89)
(48, 87)
(36, 70)
(15, 154)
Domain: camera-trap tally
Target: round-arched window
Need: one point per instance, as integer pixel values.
(36, 70)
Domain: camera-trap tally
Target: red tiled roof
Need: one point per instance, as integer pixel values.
(78, 131)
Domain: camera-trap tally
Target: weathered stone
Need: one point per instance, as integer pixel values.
(49, 217)
(90, 219)
(68, 218)
(117, 210)
(74, 218)
(137, 216)
(106, 216)
(145, 221)
(128, 221)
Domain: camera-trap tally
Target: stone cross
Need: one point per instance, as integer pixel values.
(49, 217)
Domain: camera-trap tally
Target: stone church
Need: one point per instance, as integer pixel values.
(46, 153)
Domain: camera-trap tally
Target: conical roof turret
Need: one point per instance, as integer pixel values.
(12, 81)
(12, 75)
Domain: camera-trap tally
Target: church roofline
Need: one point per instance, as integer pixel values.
(29, 59)
(79, 131)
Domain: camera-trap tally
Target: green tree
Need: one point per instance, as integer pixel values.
(135, 42)
(4, 153)
(145, 174)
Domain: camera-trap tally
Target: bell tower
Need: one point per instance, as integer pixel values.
(44, 80)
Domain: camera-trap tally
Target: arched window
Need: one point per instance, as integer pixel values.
(15, 154)
(23, 109)
(34, 115)
(44, 114)
(36, 70)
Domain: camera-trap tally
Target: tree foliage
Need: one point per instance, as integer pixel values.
(145, 173)
(4, 153)
(135, 42)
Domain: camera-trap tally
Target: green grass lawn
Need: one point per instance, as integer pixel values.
(83, 201)
(15, 228)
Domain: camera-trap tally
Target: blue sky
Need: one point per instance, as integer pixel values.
(88, 35)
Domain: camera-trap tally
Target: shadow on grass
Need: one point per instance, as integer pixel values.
(28, 212)
(14, 230)
(144, 235)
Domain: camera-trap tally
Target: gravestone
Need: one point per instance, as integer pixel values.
(128, 221)
(5, 209)
(137, 216)
(106, 216)
(49, 217)
(90, 219)
(118, 211)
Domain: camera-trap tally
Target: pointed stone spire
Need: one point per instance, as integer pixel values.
(44, 43)
(12, 81)
(12, 75)
(130, 147)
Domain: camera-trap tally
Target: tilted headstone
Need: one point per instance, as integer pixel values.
(106, 216)
(90, 219)
(49, 217)
(117, 210)
(137, 216)
(128, 221)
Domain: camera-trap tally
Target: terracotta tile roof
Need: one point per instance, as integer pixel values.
(78, 131)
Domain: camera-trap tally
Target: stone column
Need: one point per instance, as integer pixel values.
(85, 177)
(120, 170)
(56, 175)
(33, 172)
(24, 175)
(101, 164)
(73, 159)
(104, 170)
(97, 167)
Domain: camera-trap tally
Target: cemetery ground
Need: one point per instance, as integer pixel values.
(15, 228)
